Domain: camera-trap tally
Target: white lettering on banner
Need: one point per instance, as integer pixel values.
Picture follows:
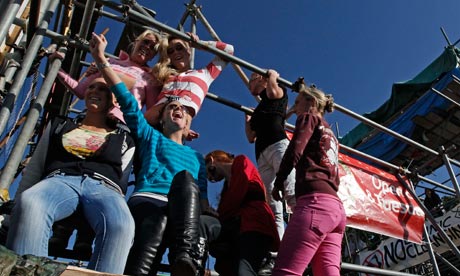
(392, 205)
(375, 201)
(397, 254)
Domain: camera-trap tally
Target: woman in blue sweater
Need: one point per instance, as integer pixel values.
(170, 182)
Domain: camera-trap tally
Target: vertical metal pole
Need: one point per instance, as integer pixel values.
(450, 170)
(216, 37)
(431, 252)
(8, 103)
(11, 68)
(12, 164)
(193, 31)
(430, 217)
(7, 17)
(210, 29)
(86, 21)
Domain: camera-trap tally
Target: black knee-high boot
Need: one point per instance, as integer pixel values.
(188, 248)
(144, 255)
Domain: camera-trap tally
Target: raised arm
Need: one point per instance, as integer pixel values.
(97, 46)
(274, 91)
(250, 134)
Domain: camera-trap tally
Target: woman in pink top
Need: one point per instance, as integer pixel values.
(189, 85)
(133, 70)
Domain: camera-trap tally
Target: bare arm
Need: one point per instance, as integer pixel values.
(250, 134)
(97, 46)
(274, 91)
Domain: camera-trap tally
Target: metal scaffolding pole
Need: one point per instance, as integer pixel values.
(137, 16)
(14, 159)
(453, 178)
(83, 33)
(7, 17)
(193, 31)
(431, 218)
(150, 21)
(446, 262)
(213, 33)
(10, 98)
(237, 106)
(431, 252)
(372, 270)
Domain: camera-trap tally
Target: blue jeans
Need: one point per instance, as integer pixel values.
(57, 197)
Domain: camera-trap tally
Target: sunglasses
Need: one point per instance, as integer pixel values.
(149, 43)
(173, 106)
(178, 48)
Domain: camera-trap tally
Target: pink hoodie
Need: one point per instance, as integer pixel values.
(138, 80)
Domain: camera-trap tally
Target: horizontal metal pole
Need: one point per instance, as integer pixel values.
(373, 270)
(445, 97)
(238, 106)
(150, 21)
(394, 167)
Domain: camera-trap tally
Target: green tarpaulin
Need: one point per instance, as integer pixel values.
(404, 93)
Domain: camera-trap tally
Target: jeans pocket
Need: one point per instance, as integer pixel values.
(323, 222)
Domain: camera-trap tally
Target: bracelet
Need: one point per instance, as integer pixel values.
(101, 66)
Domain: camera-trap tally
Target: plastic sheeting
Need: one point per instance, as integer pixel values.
(404, 93)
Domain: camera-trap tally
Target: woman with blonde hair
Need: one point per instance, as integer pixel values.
(248, 224)
(314, 233)
(132, 68)
(178, 79)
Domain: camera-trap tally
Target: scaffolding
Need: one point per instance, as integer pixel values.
(25, 33)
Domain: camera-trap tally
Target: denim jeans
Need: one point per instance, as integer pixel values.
(268, 164)
(314, 234)
(57, 197)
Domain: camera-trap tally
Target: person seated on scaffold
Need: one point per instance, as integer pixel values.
(84, 164)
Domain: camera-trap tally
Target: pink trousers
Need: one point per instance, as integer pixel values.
(314, 234)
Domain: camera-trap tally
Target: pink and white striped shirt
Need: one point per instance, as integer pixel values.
(193, 85)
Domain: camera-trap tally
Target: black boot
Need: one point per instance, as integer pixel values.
(145, 254)
(187, 248)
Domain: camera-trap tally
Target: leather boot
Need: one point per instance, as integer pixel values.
(184, 219)
(145, 254)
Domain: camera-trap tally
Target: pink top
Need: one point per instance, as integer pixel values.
(193, 85)
(138, 80)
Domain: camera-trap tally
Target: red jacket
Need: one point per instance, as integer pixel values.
(244, 196)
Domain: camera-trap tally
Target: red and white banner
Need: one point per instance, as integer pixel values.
(375, 201)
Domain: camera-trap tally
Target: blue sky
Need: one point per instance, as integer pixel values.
(354, 50)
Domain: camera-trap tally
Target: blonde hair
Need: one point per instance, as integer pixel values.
(219, 155)
(142, 36)
(163, 69)
(324, 103)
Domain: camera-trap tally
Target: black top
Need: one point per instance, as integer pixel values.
(105, 163)
(268, 121)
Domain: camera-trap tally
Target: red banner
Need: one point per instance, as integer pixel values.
(375, 201)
